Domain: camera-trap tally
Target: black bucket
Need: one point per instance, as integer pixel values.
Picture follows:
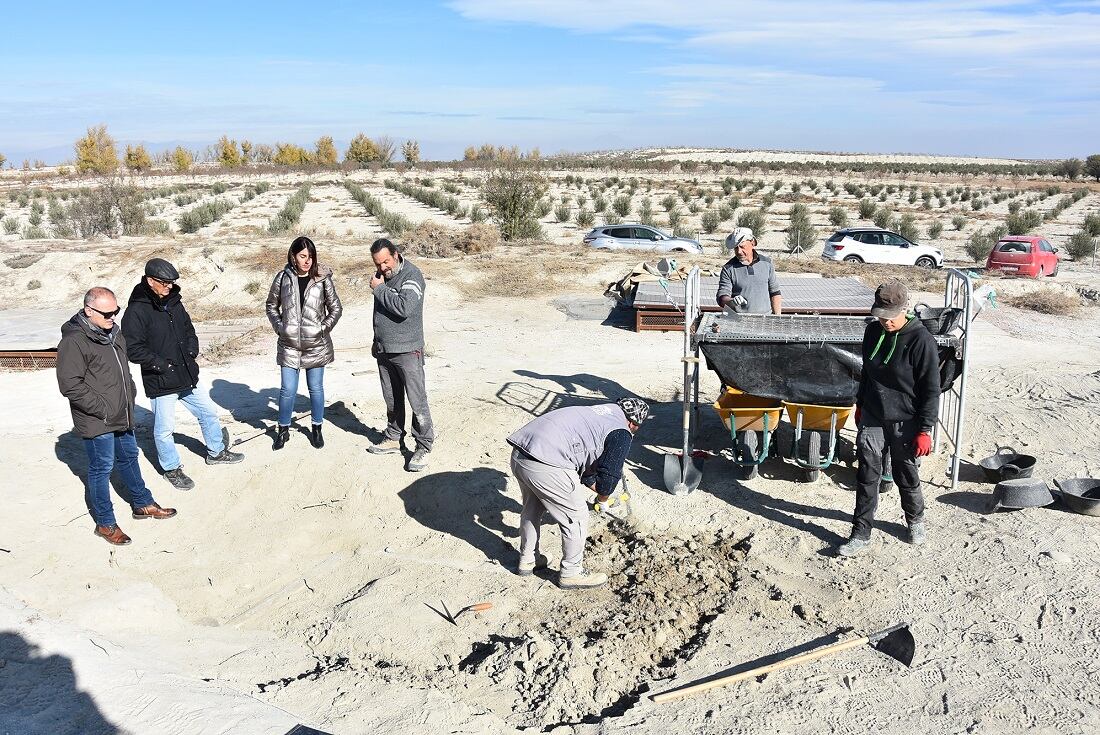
(1007, 464)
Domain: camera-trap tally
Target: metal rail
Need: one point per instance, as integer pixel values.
(958, 293)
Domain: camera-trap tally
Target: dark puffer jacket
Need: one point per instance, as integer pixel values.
(93, 374)
(304, 325)
(161, 338)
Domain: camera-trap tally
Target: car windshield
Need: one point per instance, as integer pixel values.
(837, 236)
(1014, 247)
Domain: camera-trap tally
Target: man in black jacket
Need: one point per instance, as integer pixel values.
(162, 339)
(93, 374)
(896, 410)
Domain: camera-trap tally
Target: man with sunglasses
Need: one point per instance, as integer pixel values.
(93, 374)
(162, 339)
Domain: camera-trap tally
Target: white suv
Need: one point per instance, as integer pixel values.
(875, 245)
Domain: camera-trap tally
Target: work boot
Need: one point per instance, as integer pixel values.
(179, 480)
(315, 437)
(153, 511)
(526, 569)
(854, 546)
(225, 457)
(582, 581)
(419, 461)
(282, 436)
(386, 446)
(112, 535)
(916, 533)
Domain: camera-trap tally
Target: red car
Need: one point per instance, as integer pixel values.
(1025, 255)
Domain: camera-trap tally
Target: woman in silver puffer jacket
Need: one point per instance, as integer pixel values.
(303, 308)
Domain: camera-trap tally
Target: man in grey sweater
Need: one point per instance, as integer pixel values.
(748, 282)
(398, 346)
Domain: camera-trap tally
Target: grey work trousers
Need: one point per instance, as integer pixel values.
(552, 490)
(874, 438)
(402, 374)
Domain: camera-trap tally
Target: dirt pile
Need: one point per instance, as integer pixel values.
(593, 655)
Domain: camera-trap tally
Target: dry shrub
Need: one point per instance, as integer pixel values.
(432, 240)
(478, 238)
(1046, 300)
(25, 260)
(916, 279)
(515, 278)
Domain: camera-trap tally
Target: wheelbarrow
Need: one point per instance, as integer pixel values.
(814, 420)
(752, 422)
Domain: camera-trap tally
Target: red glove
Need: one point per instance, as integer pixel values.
(859, 415)
(922, 446)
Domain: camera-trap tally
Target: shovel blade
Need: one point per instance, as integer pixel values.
(896, 642)
(681, 478)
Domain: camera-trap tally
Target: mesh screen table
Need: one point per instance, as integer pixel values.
(800, 295)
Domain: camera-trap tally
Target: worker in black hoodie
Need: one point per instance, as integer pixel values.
(896, 411)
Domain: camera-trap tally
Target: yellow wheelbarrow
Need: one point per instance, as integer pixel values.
(751, 421)
(814, 420)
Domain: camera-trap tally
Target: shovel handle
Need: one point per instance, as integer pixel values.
(810, 656)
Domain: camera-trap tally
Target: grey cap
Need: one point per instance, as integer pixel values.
(891, 299)
(738, 236)
(162, 270)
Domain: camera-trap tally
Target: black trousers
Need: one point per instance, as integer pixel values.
(874, 438)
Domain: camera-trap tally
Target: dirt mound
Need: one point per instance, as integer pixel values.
(584, 662)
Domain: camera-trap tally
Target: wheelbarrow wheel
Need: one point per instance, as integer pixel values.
(748, 443)
(813, 455)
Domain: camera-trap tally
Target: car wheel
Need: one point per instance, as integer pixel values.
(1042, 272)
(1054, 272)
(925, 262)
(852, 259)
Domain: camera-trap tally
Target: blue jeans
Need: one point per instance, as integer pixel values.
(197, 401)
(315, 382)
(104, 452)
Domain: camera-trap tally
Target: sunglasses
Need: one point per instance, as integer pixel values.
(106, 314)
(163, 283)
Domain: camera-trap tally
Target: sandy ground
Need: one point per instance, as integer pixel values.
(308, 586)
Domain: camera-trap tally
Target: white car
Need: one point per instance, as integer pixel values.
(875, 245)
(630, 236)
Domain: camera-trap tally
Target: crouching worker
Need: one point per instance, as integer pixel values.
(550, 456)
(896, 410)
(93, 374)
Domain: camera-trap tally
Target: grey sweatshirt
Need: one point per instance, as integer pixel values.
(399, 311)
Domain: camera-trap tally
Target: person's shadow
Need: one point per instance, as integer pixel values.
(38, 693)
(537, 400)
(468, 505)
(260, 409)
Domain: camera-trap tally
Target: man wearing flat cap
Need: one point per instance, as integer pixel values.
(896, 410)
(161, 338)
(748, 282)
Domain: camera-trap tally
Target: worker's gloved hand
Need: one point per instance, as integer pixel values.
(922, 445)
(859, 416)
(603, 503)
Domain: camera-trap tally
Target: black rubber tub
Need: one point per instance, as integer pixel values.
(1081, 494)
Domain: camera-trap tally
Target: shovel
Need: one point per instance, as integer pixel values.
(682, 477)
(896, 642)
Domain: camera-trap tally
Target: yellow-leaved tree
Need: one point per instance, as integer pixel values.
(362, 151)
(182, 159)
(229, 156)
(325, 151)
(95, 152)
(137, 158)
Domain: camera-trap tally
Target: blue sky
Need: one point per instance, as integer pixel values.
(1006, 78)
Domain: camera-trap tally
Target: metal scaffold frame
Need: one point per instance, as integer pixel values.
(958, 293)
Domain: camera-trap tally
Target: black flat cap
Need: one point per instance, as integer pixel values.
(162, 270)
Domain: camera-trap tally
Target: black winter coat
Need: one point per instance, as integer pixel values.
(161, 338)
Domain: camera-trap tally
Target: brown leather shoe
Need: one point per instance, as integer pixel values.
(112, 535)
(154, 511)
